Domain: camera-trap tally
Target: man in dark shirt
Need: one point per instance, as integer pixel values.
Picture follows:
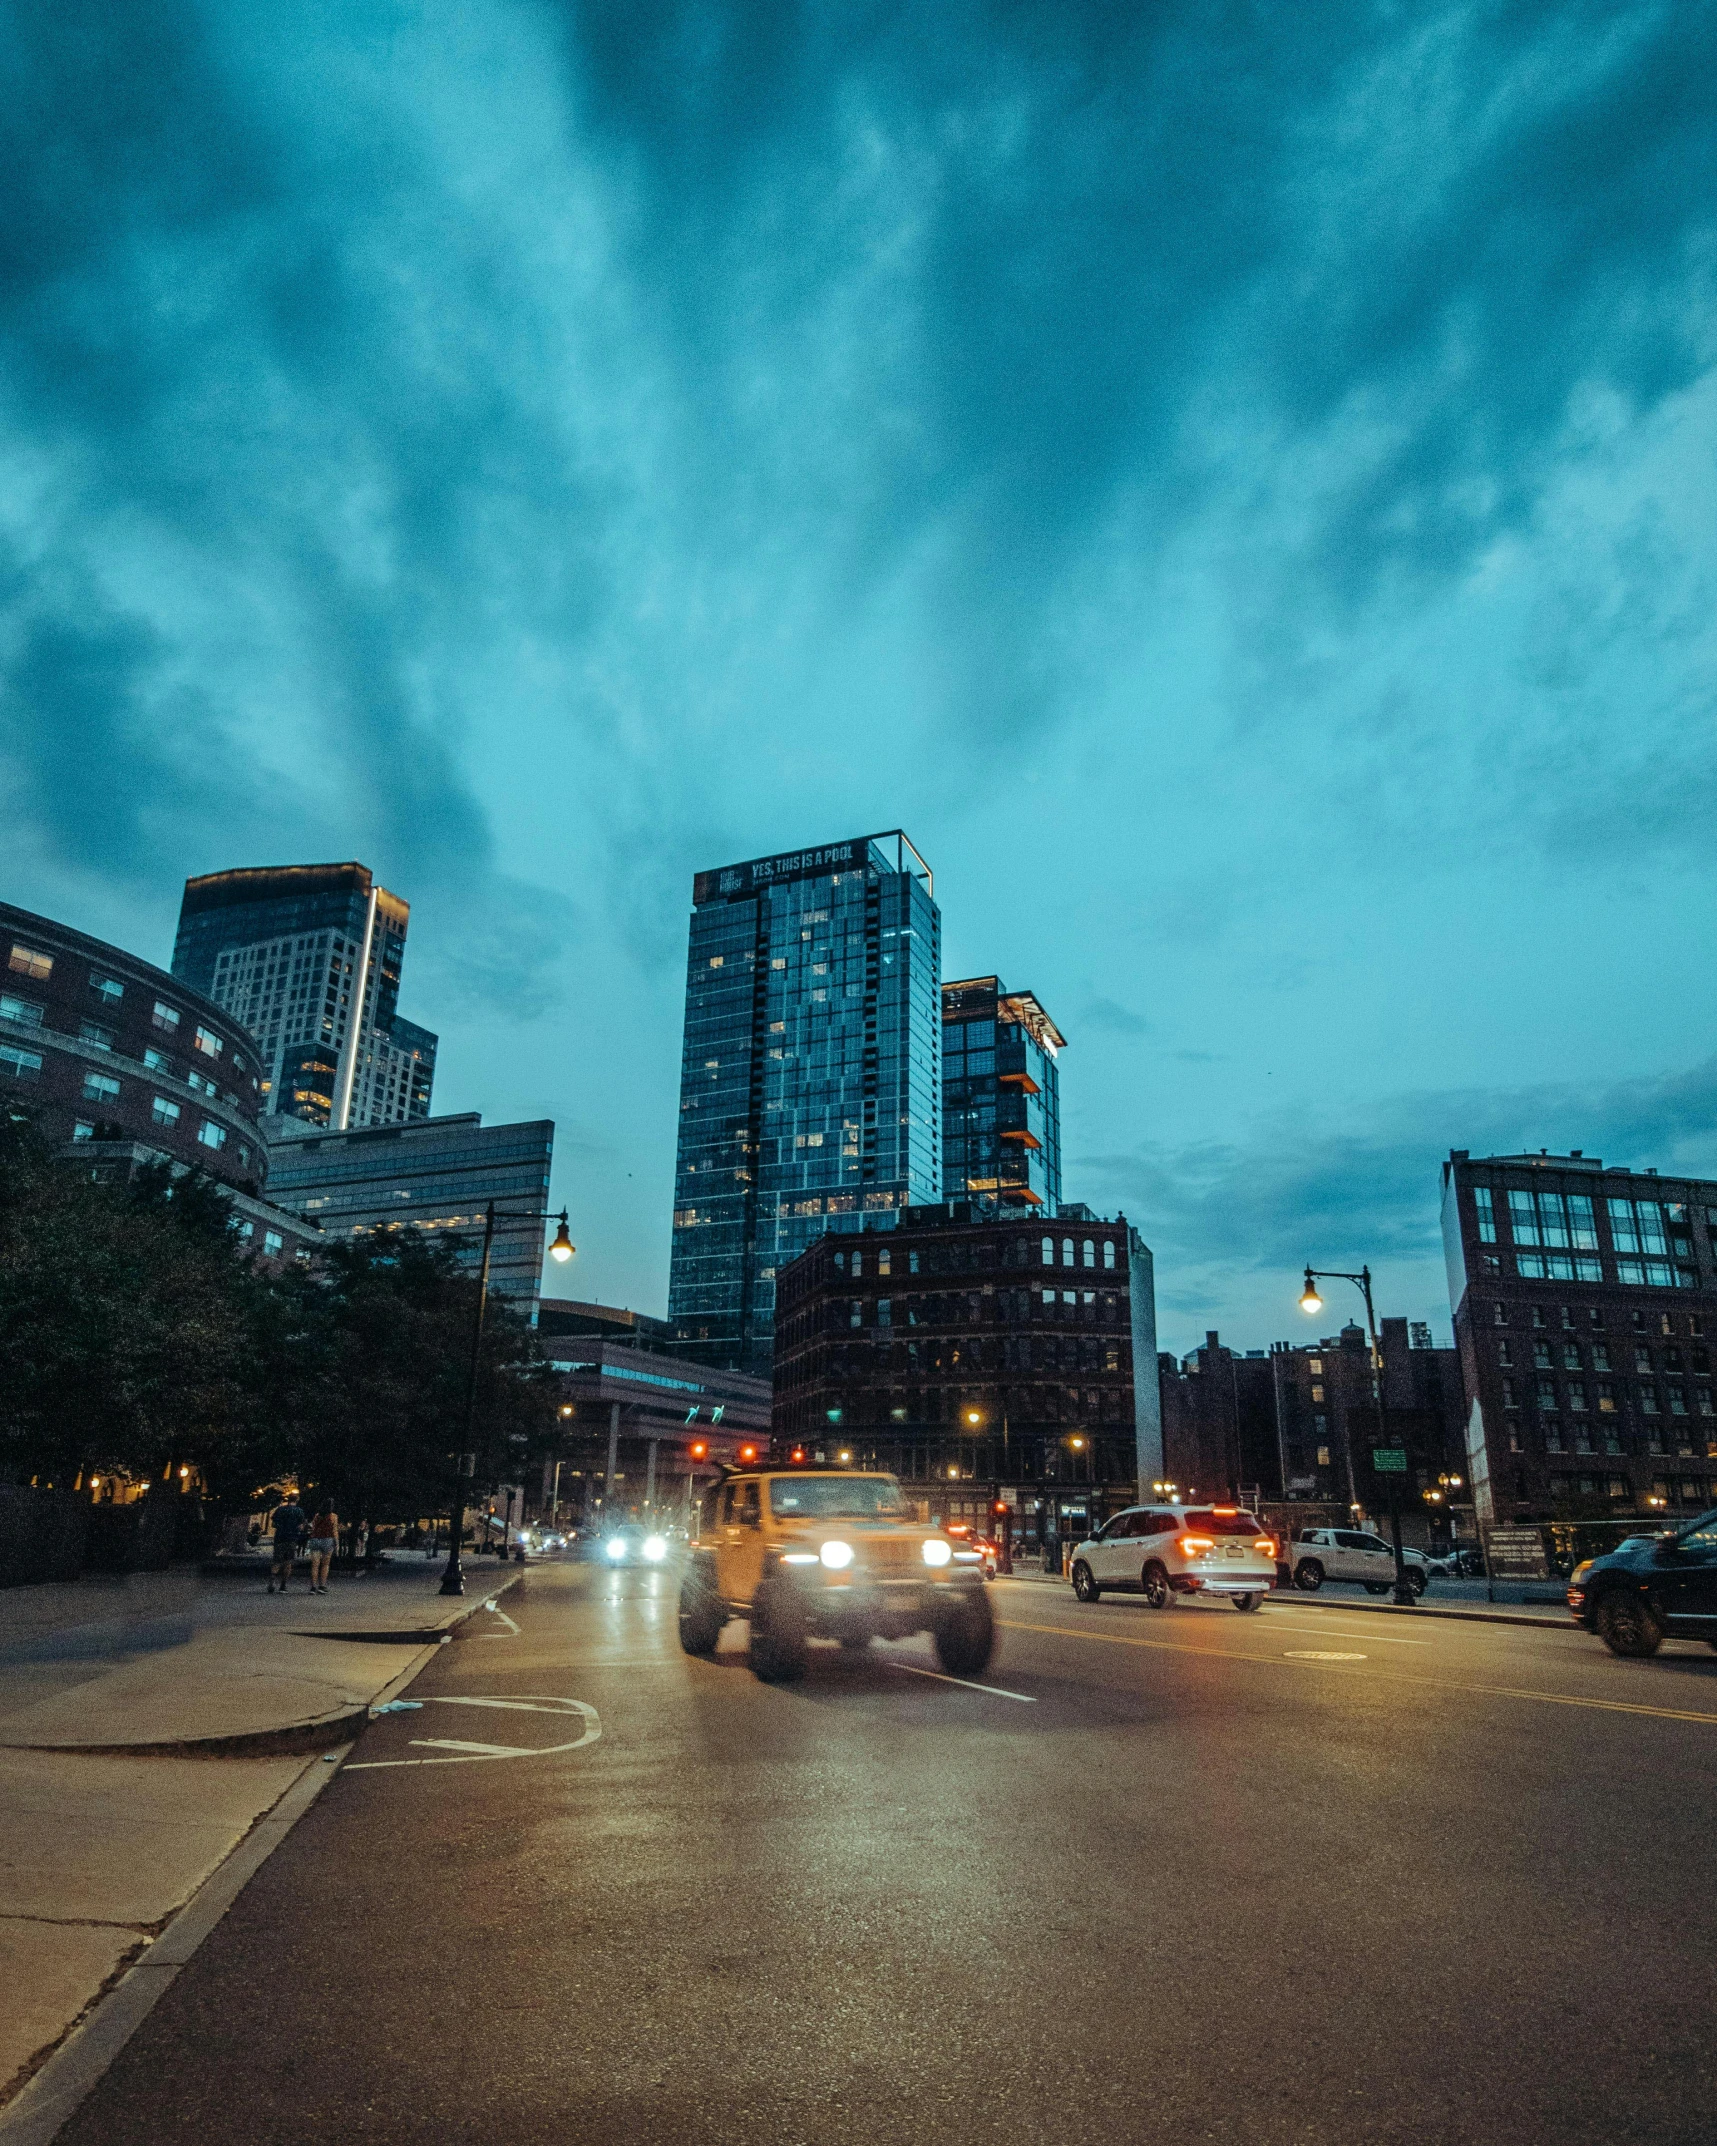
(289, 1525)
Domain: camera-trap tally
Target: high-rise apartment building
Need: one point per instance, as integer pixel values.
(308, 958)
(810, 1084)
(1001, 1097)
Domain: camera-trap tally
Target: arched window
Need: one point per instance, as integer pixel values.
(1049, 1251)
(1088, 1253)
(1108, 1251)
(1067, 1251)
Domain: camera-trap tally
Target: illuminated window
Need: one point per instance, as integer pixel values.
(26, 961)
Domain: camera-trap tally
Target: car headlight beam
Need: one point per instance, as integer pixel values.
(936, 1551)
(836, 1555)
(616, 1549)
(655, 1548)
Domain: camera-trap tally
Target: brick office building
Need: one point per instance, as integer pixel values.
(1583, 1300)
(959, 1348)
(1298, 1422)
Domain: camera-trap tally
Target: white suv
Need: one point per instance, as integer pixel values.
(1319, 1554)
(1164, 1551)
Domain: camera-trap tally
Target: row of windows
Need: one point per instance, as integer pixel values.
(1608, 1398)
(1566, 1355)
(1664, 1322)
(1013, 1307)
(165, 1019)
(103, 1089)
(952, 1258)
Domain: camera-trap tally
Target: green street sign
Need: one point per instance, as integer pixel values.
(1389, 1460)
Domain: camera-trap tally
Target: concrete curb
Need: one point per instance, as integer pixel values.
(1299, 1599)
(50, 2096)
(339, 1726)
(1451, 1615)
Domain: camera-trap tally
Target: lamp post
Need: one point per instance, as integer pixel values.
(1311, 1303)
(562, 1249)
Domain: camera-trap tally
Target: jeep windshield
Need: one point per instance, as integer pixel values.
(837, 1497)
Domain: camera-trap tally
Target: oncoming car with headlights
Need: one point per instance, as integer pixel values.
(633, 1546)
(807, 1554)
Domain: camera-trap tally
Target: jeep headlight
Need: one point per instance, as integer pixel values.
(836, 1555)
(936, 1551)
(655, 1548)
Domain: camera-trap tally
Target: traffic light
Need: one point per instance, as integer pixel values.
(700, 1449)
(798, 1453)
(748, 1452)
(1000, 1506)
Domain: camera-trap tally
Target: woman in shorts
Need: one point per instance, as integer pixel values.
(324, 1541)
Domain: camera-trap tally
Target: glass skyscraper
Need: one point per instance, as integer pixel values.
(1001, 1097)
(810, 1083)
(308, 957)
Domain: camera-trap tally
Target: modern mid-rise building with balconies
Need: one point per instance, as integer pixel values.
(1001, 1097)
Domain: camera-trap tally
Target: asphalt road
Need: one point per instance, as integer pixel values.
(1195, 1882)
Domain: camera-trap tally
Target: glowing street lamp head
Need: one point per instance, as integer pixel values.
(1311, 1303)
(563, 1247)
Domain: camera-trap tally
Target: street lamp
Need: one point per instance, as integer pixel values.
(562, 1249)
(1312, 1303)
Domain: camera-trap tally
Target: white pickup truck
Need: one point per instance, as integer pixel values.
(1319, 1554)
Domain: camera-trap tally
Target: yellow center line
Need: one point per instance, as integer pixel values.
(1393, 1676)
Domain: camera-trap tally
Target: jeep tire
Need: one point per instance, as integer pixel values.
(780, 1645)
(1084, 1586)
(702, 1611)
(965, 1633)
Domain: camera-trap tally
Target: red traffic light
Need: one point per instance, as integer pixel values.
(700, 1449)
(798, 1453)
(748, 1452)
(1000, 1506)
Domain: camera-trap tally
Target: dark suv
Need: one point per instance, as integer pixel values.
(1651, 1588)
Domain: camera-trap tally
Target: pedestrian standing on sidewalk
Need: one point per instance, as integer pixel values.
(288, 1533)
(324, 1541)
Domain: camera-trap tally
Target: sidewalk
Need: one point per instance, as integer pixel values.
(146, 1724)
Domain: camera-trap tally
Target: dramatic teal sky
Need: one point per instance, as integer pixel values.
(1234, 482)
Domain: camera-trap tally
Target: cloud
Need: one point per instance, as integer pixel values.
(1223, 1218)
(1120, 1020)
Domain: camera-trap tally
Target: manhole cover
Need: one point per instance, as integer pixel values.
(1314, 1654)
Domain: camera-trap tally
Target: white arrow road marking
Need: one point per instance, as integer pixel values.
(467, 1754)
(483, 1751)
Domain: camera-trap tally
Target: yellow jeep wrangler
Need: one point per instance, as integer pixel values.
(809, 1554)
